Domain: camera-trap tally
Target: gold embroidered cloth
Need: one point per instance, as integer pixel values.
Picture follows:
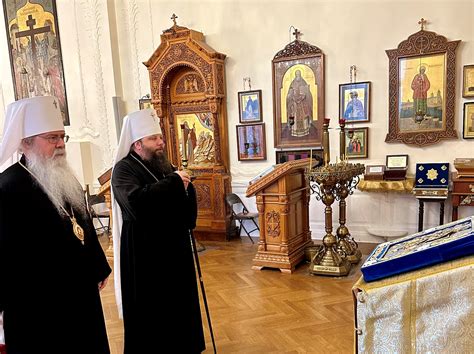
(426, 311)
(405, 186)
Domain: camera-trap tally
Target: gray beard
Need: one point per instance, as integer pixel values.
(58, 181)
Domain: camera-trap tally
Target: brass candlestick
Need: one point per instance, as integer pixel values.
(333, 182)
(326, 153)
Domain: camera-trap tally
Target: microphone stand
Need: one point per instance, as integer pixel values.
(203, 290)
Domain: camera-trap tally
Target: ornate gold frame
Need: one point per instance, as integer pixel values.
(419, 45)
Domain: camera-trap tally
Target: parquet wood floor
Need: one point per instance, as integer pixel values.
(264, 311)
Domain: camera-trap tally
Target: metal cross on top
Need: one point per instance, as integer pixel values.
(297, 34)
(422, 22)
(174, 17)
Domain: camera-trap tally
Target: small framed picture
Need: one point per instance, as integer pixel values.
(250, 106)
(251, 142)
(396, 161)
(468, 81)
(145, 102)
(468, 121)
(290, 155)
(357, 143)
(354, 102)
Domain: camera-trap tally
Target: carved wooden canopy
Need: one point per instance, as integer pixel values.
(187, 76)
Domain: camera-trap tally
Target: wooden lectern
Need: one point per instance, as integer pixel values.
(283, 206)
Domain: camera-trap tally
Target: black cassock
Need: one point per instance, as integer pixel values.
(159, 288)
(48, 279)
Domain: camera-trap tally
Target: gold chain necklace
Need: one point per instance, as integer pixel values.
(76, 228)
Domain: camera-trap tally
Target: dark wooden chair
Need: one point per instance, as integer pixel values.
(240, 213)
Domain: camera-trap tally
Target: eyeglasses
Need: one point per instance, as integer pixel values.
(54, 139)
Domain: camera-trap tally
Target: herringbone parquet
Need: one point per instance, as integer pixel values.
(264, 311)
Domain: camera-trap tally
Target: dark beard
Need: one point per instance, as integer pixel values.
(159, 162)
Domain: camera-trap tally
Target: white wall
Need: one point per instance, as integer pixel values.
(105, 42)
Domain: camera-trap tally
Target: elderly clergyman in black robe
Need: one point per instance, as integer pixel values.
(154, 208)
(52, 266)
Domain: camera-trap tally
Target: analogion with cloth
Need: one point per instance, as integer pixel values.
(425, 248)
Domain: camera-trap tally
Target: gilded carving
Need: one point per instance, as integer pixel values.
(181, 55)
(272, 221)
(191, 83)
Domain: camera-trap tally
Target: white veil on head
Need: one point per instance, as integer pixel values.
(136, 126)
(29, 117)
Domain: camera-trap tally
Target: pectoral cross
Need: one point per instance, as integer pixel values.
(297, 34)
(422, 22)
(174, 17)
(55, 104)
(32, 32)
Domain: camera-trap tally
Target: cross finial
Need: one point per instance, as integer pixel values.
(174, 17)
(297, 34)
(422, 22)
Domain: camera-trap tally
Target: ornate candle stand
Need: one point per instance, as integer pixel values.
(334, 182)
(329, 183)
(344, 241)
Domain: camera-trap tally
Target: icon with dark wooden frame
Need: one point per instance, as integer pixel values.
(290, 155)
(250, 106)
(357, 143)
(34, 47)
(251, 142)
(468, 121)
(468, 81)
(354, 102)
(422, 87)
(298, 95)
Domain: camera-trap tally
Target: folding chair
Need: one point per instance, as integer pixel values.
(242, 213)
(92, 200)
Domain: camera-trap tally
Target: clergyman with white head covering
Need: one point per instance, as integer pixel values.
(52, 266)
(154, 208)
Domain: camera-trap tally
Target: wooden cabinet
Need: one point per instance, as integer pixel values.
(462, 194)
(283, 207)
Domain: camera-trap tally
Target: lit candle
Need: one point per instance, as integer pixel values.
(183, 142)
(326, 155)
